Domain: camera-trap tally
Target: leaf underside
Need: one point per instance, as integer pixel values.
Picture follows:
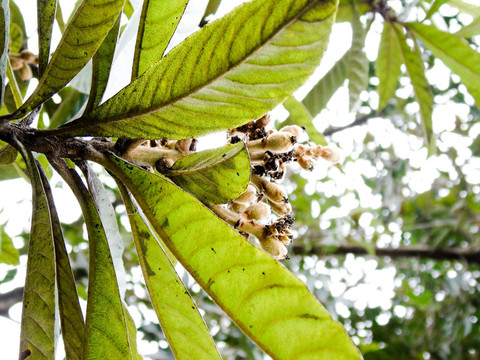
(181, 322)
(272, 306)
(231, 71)
(214, 176)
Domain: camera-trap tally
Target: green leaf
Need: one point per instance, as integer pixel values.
(214, 176)
(465, 7)
(71, 318)
(211, 9)
(101, 65)
(357, 69)
(318, 97)
(81, 39)
(421, 87)
(8, 154)
(66, 108)
(158, 22)
(4, 39)
(232, 70)
(8, 252)
(45, 17)
(17, 28)
(181, 322)
(470, 30)
(388, 64)
(454, 52)
(269, 304)
(434, 8)
(37, 339)
(132, 334)
(301, 116)
(346, 13)
(106, 335)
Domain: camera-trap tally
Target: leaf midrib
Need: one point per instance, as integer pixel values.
(129, 116)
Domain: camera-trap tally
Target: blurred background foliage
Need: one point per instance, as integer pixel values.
(388, 241)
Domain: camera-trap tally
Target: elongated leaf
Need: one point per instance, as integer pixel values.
(45, 16)
(421, 87)
(456, 54)
(101, 65)
(37, 339)
(318, 97)
(434, 8)
(346, 12)
(181, 322)
(214, 176)
(301, 116)
(109, 222)
(231, 71)
(466, 7)
(470, 30)
(81, 39)
(106, 335)
(158, 22)
(8, 252)
(4, 39)
(388, 64)
(266, 301)
(18, 33)
(132, 334)
(211, 9)
(71, 318)
(357, 69)
(8, 154)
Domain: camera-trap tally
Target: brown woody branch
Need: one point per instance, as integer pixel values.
(471, 255)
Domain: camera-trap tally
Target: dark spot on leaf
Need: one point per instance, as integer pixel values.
(213, 250)
(250, 326)
(229, 271)
(243, 269)
(223, 155)
(238, 174)
(309, 316)
(25, 354)
(86, 54)
(186, 292)
(263, 273)
(193, 307)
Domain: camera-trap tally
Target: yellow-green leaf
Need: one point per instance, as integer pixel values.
(214, 176)
(388, 64)
(8, 252)
(8, 154)
(454, 52)
(470, 30)
(181, 322)
(272, 306)
(106, 334)
(158, 22)
(45, 16)
(71, 318)
(101, 65)
(434, 8)
(301, 116)
(37, 338)
(233, 70)
(82, 38)
(421, 87)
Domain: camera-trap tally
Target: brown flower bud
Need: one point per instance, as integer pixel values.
(280, 142)
(285, 240)
(258, 211)
(306, 162)
(248, 196)
(274, 247)
(294, 130)
(273, 191)
(237, 207)
(28, 57)
(25, 72)
(328, 153)
(281, 208)
(16, 62)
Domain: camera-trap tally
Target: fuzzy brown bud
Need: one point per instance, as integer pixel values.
(281, 208)
(272, 190)
(28, 57)
(306, 162)
(328, 153)
(25, 72)
(248, 196)
(294, 130)
(274, 247)
(280, 142)
(258, 211)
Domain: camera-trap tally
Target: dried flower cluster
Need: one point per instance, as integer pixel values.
(263, 210)
(270, 151)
